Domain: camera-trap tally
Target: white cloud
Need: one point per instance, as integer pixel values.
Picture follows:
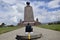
(10, 1)
(43, 15)
(12, 15)
(16, 12)
(54, 4)
(14, 19)
(37, 4)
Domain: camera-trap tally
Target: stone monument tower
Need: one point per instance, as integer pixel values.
(28, 15)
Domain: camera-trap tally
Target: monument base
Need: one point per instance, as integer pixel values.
(31, 23)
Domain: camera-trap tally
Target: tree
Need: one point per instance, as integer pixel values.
(3, 24)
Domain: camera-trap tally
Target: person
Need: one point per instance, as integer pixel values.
(28, 29)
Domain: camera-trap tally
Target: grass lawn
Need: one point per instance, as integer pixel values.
(7, 29)
(53, 27)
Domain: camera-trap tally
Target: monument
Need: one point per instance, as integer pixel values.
(28, 15)
(29, 18)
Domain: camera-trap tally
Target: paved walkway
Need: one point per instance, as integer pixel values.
(47, 34)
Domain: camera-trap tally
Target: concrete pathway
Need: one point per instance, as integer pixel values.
(47, 34)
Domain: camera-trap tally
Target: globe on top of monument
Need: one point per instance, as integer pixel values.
(28, 3)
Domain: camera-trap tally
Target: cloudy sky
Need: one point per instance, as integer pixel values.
(11, 11)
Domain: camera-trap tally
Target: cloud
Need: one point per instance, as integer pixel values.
(11, 11)
(14, 19)
(54, 4)
(9, 1)
(43, 14)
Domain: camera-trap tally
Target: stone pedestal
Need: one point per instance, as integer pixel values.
(33, 36)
